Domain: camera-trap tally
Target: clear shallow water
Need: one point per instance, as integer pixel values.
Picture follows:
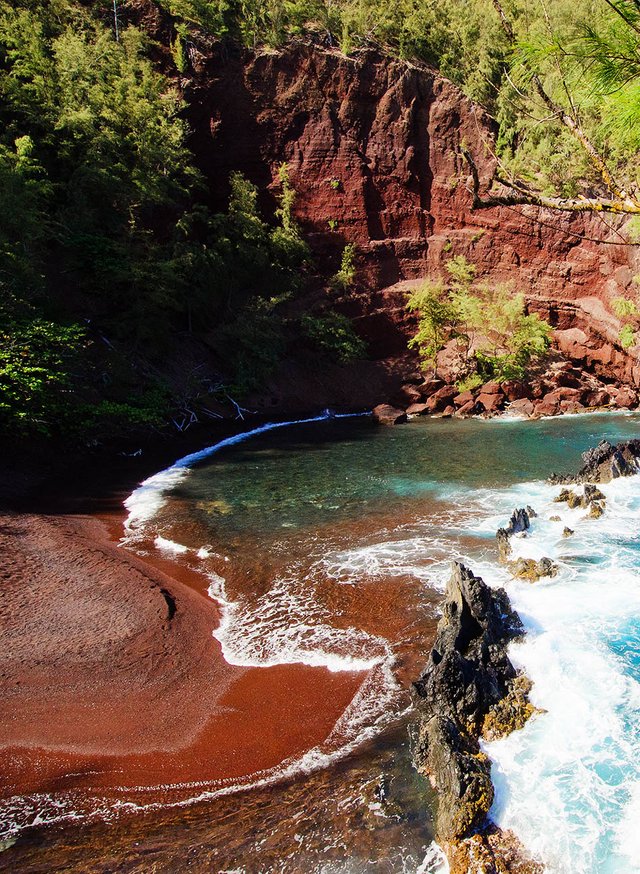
(329, 544)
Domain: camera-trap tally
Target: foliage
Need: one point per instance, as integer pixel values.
(437, 319)
(464, 39)
(103, 222)
(254, 341)
(469, 383)
(626, 337)
(332, 334)
(346, 275)
(497, 337)
(623, 307)
(37, 362)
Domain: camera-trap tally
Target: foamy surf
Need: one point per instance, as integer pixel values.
(568, 783)
(284, 626)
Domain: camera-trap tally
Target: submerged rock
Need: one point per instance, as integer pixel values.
(567, 532)
(469, 677)
(532, 570)
(591, 499)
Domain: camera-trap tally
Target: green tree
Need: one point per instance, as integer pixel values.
(489, 319)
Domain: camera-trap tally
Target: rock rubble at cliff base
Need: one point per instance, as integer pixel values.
(561, 389)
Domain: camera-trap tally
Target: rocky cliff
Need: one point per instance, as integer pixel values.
(373, 148)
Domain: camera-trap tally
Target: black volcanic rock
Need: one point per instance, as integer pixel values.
(604, 463)
(520, 522)
(468, 678)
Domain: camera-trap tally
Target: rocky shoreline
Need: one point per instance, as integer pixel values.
(560, 388)
(470, 690)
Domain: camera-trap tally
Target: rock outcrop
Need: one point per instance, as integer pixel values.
(519, 523)
(469, 689)
(385, 414)
(602, 464)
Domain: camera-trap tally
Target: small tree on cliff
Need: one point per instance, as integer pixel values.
(497, 337)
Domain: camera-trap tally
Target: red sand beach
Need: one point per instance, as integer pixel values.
(110, 676)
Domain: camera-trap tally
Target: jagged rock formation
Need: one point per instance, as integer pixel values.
(519, 522)
(602, 464)
(523, 568)
(469, 689)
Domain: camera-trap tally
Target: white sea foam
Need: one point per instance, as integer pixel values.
(171, 546)
(567, 784)
(285, 626)
(434, 862)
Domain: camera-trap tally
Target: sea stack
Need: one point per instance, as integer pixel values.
(469, 690)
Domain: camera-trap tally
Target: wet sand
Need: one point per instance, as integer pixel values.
(110, 676)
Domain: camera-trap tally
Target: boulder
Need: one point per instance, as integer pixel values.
(385, 414)
(408, 394)
(463, 398)
(417, 410)
(469, 409)
(624, 397)
(514, 389)
(549, 405)
(597, 398)
(442, 398)
(491, 403)
(605, 462)
(523, 407)
(447, 412)
(462, 691)
(532, 570)
(490, 388)
(429, 386)
(571, 407)
(569, 379)
(591, 495)
(567, 532)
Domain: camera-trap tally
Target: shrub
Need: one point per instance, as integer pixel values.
(333, 335)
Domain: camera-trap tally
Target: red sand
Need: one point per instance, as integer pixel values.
(102, 687)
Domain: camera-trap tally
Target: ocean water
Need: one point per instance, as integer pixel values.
(329, 542)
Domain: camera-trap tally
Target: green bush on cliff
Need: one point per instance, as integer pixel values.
(497, 338)
(333, 335)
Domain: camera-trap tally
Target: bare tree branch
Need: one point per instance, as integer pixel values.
(522, 195)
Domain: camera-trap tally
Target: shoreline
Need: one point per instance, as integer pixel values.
(110, 671)
(94, 538)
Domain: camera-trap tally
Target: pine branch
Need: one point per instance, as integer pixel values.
(521, 195)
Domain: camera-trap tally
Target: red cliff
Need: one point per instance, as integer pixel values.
(374, 151)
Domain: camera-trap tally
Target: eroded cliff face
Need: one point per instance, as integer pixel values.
(373, 148)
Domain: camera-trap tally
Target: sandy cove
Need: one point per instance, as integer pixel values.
(110, 676)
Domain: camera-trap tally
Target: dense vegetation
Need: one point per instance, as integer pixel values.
(107, 246)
